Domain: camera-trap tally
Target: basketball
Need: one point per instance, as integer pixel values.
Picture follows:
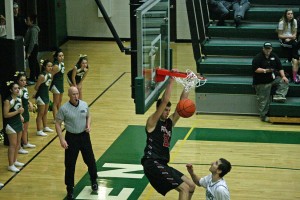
(186, 108)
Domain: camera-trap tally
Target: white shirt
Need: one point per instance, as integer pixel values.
(288, 31)
(215, 190)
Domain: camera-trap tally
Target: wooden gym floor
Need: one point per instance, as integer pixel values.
(263, 169)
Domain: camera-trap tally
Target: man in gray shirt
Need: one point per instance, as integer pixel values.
(75, 114)
(31, 43)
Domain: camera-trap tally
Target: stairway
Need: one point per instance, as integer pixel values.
(227, 63)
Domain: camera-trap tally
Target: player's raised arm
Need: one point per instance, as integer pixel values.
(160, 107)
(175, 116)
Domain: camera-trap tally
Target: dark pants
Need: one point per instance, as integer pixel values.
(34, 64)
(221, 8)
(79, 142)
(292, 48)
(263, 94)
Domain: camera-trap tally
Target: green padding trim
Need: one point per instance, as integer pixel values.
(235, 135)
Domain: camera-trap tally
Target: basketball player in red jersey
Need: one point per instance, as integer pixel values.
(157, 154)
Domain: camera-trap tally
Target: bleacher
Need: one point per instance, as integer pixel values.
(226, 62)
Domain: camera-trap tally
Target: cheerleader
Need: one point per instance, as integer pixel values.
(12, 112)
(42, 98)
(57, 85)
(27, 105)
(76, 75)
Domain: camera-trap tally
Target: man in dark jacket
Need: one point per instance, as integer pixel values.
(268, 73)
(31, 43)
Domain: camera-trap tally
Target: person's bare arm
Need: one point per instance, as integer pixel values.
(74, 76)
(194, 177)
(88, 122)
(175, 116)
(63, 142)
(152, 120)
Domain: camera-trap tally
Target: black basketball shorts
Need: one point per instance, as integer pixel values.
(162, 177)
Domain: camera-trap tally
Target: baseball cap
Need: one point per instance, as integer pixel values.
(267, 45)
(16, 5)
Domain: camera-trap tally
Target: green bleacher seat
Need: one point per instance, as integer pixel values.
(291, 108)
(245, 30)
(229, 84)
(275, 2)
(231, 65)
(239, 47)
(268, 13)
(263, 13)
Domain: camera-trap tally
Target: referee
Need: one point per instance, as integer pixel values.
(75, 114)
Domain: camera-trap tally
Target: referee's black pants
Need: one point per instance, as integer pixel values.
(79, 142)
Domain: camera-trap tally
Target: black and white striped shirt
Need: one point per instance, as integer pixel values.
(74, 117)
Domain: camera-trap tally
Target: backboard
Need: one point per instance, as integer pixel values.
(153, 51)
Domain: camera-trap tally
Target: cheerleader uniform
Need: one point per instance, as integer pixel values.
(57, 85)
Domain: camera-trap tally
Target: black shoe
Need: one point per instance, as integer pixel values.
(238, 21)
(70, 193)
(95, 186)
(70, 196)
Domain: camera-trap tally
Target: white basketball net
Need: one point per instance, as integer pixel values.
(191, 81)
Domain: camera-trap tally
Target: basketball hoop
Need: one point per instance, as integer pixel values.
(188, 79)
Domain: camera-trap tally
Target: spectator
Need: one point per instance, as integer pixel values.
(268, 72)
(216, 187)
(221, 10)
(19, 21)
(287, 34)
(31, 43)
(2, 26)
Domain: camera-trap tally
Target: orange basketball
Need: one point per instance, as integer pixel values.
(186, 108)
